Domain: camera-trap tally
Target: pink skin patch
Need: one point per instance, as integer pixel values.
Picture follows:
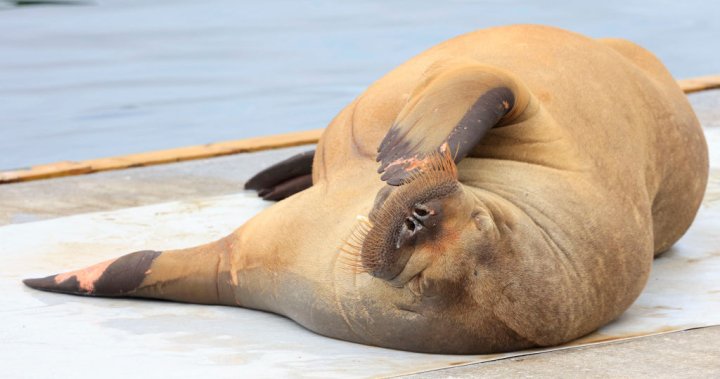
(413, 162)
(409, 163)
(86, 277)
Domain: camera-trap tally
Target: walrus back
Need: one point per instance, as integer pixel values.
(680, 159)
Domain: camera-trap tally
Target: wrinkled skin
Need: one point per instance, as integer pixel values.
(548, 233)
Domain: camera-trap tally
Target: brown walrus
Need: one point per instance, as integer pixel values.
(578, 160)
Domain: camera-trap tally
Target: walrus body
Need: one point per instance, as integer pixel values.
(582, 160)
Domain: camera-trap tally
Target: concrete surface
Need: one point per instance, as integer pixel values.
(707, 107)
(693, 353)
(686, 354)
(46, 334)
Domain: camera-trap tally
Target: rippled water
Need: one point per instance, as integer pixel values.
(123, 76)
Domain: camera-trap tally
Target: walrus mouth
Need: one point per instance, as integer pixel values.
(404, 216)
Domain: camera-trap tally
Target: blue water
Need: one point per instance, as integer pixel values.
(124, 76)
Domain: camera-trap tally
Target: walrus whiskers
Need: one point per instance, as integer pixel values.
(350, 250)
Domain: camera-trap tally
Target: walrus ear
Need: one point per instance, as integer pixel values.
(284, 178)
(451, 109)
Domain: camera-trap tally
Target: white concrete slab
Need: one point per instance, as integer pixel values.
(45, 334)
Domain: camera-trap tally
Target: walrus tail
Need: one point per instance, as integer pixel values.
(188, 275)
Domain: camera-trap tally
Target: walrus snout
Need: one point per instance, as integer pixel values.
(397, 246)
(399, 230)
(405, 216)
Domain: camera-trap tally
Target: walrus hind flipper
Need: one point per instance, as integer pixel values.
(452, 109)
(188, 275)
(284, 178)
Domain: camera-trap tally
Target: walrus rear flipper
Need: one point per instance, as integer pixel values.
(188, 275)
(451, 109)
(285, 178)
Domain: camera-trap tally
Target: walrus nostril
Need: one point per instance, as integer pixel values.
(421, 212)
(410, 224)
(409, 228)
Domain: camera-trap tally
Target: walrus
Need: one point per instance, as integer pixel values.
(505, 189)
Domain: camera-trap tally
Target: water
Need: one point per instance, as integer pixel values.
(125, 76)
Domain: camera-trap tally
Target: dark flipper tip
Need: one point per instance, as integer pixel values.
(297, 165)
(115, 277)
(50, 284)
(40, 283)
(285, 178)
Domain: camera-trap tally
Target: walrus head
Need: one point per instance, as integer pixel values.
(416, 224)
(409, 216)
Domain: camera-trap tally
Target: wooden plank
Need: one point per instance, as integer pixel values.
(66, 168)
(702, 83)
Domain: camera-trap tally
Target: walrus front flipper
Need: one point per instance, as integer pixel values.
(452, 109)
(188, 275)
(285, 178)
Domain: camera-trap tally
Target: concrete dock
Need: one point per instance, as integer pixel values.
(692, 353)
